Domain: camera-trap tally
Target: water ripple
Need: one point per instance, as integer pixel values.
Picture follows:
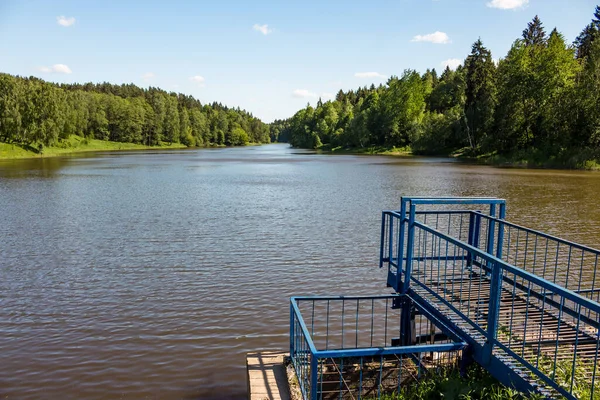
(146, 275)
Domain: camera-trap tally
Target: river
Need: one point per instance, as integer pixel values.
(150, 274)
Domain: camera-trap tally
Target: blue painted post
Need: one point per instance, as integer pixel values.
(314, 376)
(382, 240)
(502, 216)
(292, 324)
(490, 234)
(391, 243)
(401, 243)
(406, 319)
(495, 289)
(477, 230)
(471, 237)
(475, 237)
(493, 311)
(491, 227)
(409, 247)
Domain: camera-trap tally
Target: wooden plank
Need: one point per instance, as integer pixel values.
(267, 379)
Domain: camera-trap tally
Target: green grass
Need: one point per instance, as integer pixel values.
(371, 150)
(564, 372)
(74, 144)
(581, 159)
(448, 384)
(585, 159)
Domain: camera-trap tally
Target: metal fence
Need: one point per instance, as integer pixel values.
(463, 222)
(570, 265)
(524, 297)
(366, 346)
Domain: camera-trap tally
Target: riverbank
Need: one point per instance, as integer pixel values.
(587, 159)
(372, 150)
(74, 144)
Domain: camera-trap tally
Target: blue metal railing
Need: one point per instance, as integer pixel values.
(356, 347)
(523, 297)
(463, 224)
(568, 264)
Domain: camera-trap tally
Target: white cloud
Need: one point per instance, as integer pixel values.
(148, 75)
(369, 75)
(64, 21)
(198, 79)
(435, 37)
(264, 29)
(452, 63)
(327, 96)
(303, 93)
(56, 68)
(507, 4)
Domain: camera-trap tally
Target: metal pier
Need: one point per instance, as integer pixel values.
(470, 287)
(525, 301)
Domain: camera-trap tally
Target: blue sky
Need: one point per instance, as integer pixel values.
(268, 57)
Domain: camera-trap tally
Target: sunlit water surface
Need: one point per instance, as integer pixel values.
(151, 274)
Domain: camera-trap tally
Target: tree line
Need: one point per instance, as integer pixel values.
(33, 111)
(543, 97)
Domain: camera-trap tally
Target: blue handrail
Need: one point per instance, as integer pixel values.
(507, 264)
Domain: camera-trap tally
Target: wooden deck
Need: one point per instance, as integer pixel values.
(267, 378)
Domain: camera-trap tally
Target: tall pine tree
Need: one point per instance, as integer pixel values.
(534, 35)
(583, 42)
(480, 94)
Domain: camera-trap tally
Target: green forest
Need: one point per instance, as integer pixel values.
(37, 113)
(540, 103)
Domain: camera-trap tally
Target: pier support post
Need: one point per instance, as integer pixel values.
(407, 322)
(490, 233)
(381, 246)
(409, 247)
(493, 311)
(314, 376)
(500, 241)
(466, 361)
(474, 233)
(292, 328)
(401, 233)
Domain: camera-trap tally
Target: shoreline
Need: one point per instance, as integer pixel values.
(75, 144)
(517, 161)
(370, 151)
(14, 151)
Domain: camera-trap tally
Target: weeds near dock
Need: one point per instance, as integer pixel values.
(448, 384)
(576, 379)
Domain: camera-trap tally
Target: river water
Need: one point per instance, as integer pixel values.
(150, 274)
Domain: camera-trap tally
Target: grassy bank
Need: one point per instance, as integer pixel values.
(576, 161)
(440, 383)
(372, 150)
(477, 384)
(586, 159)
(74, 144)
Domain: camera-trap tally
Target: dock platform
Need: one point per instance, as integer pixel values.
(470, 287)
(267, 378)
